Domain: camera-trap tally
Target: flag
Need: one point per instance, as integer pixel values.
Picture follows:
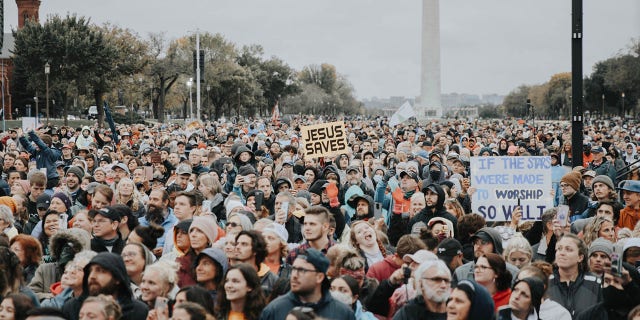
(275, 117)
(403, 114)
(112, 125)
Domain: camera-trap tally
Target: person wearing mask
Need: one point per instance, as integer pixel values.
(106, 274)
(347, 289)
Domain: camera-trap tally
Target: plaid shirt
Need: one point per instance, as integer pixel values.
(303, 248)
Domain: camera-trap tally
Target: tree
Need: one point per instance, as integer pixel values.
(164, 68)
(69, 45)
(515, 102)
(123, 55)
(559, 93)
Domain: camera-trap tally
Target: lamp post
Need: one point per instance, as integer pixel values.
(47, 70)
(189, 84)
(603, 106)
(209, 102)
(623, 117)
(37, 111)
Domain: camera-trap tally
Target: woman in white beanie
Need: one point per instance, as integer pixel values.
(276, 237)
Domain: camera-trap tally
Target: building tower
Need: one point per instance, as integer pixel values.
(27, 10)
(430, 104)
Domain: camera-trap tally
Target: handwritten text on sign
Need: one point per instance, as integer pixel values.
(501, 181)
(325, 139)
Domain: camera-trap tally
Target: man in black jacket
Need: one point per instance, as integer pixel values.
(106, 237)
(433, 285)
(106, 274)
(434, 198)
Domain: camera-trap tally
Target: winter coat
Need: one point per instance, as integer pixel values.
(131, 309)
(327, 307)
(427, 214)
(576, 296)
(46, 157)
(416, 309)
(383, 269)
(50, 273)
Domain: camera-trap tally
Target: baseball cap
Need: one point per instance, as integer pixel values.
(43, 201)
(448, 248)
(597, 149)
(419, 256)
(316, 258)
(121, 166)
(353, 168)
(411, 174)
(107, 212)
(183, 169)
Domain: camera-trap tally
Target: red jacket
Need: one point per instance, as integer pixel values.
(383, 269)
(501, 298)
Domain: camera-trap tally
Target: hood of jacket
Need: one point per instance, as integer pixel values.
(441, 196)
(78, 238)
(331, 169)
(240, 150)
(114, 264)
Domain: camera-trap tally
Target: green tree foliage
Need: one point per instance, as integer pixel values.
(69, 45)
(514, 103)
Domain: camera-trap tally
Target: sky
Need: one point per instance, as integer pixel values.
(488, 46)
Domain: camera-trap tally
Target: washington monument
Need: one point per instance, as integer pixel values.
(429, 104)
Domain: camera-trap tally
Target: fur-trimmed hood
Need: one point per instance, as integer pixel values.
(79, 239)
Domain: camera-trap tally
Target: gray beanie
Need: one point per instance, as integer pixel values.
(77, 171)
(603, 179)
(602, 245)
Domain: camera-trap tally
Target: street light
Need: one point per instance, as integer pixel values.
(47, 70)
(36, 100)
(603, 106)
(623, 117)
(189, 84)
(209, 101)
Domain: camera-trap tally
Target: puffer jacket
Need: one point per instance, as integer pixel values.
(576, 296)
(50, 273)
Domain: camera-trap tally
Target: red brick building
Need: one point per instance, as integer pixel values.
(27, 10)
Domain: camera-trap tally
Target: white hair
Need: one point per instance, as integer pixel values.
(440, 266)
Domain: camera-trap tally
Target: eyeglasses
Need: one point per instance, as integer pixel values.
(301, 270)
(481, 267)
(438, 280)
(129, 254)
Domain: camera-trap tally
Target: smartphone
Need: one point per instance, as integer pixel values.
(616, 261)
(148, 172)
(206, 204)
(563, 214)
(518, 202)
(240, 179)
(162, 305)
(377, 210)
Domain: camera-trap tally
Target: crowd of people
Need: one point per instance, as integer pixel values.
(232, 220)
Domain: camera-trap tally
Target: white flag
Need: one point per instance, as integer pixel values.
(403, 114)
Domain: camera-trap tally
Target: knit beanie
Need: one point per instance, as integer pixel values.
(208, 225)
(63, 197)
(77, 171)
(603, 179)
(232, 204)
(602, 245)
(573, 179)
(9, 202)
(245, 222)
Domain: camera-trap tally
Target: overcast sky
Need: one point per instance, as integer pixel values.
(488, 46)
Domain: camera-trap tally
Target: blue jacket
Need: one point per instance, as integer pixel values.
(327, 307)
(46, 157)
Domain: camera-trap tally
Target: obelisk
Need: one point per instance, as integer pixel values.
(430, 105)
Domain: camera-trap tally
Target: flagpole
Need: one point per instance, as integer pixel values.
(4, 117)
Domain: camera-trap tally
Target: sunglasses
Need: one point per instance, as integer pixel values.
(233, 224)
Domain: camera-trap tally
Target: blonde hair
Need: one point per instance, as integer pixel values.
(518, 243)
(167, 271)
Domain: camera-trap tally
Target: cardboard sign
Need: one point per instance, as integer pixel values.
(501, 181)
(155, 157)
(324, 140)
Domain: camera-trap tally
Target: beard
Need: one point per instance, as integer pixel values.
(109, 289)
(155, 215)
(436, 297)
